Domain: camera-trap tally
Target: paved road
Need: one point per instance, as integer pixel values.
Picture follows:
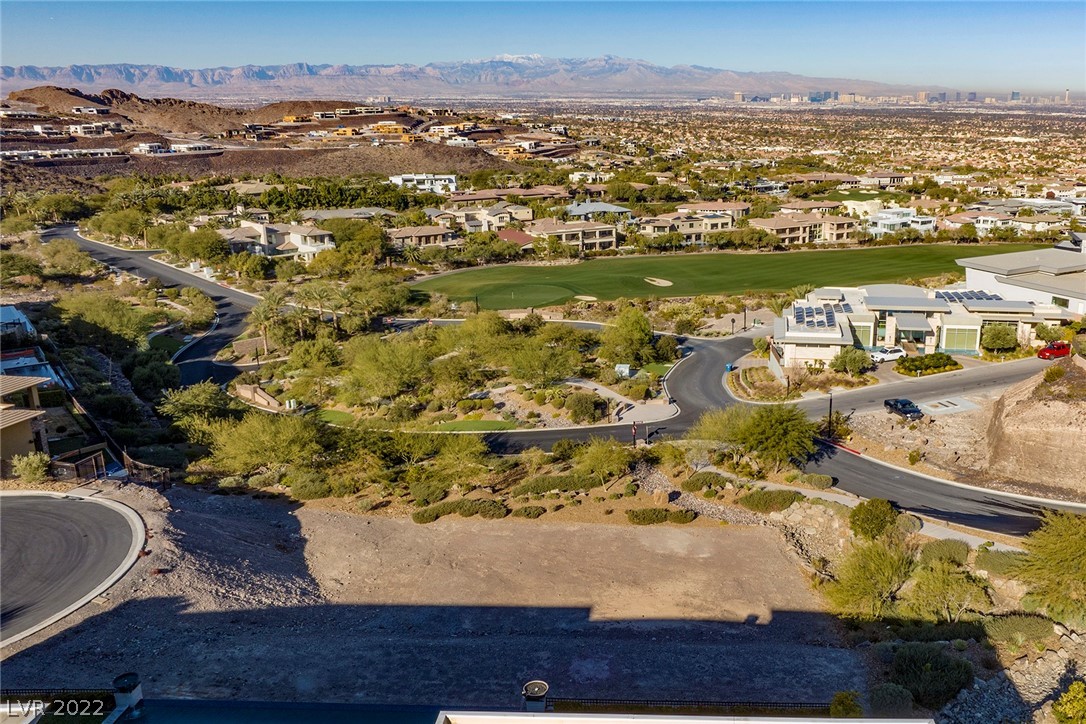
(697, 386)
(232, 306)
(54, 551)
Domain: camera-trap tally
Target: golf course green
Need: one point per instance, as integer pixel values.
(517, 286)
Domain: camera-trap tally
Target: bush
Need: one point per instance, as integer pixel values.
(890, 700)
(955, 551)
(566, 449)
(930, 674)
(1018, 629)
(915, 456)
(908, 523)
(700, 481)
(681, 516)
(927, 364)
(584, 407)
(530, 511)
(710, 493)
(31, 468)
(647, 516)
(631, 489)
(428, 490)
(770, 501)
(308, 484)
(817, 480)
(846, 705)
(1055, 373)
(872, 518)
(561, 483)
(999, 563)
(465, 508)
(940, 631)
(1070, 708)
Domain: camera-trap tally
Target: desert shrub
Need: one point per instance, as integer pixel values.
(770, 501)
(890, 700)
(647, 516)
(702, 480)
(427, 490)
(1018, 629)
(839, 509)
(530, 511)
(1070, 708)
(681, 516)
(908, 523)
(631, 489)
(955, 551)
(999, 563)
(1055, 373)
(915, 456)
(944, 631)
(465, 508)
(869, 578)
(846, 705)
(1054, 569)
(308, 484)
(872, 518)
(560, 483)
(817, 480)
(31, 468)
(927, 364)
(566, 449)
(929, 673)
(710, 493)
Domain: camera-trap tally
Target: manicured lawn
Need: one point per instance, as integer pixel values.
(476, 426)
(336, 417)
(166, 342)
(518, 287)
(657, 368)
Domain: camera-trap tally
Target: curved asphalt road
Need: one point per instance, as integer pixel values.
(696, 383)
(57, 552)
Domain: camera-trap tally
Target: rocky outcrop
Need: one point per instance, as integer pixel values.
(1037, 429)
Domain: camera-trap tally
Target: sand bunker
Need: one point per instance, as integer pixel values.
(658, 282)
(584, 298)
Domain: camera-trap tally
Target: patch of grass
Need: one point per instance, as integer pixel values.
(516, 286)
(1018, 629)
(336, 417)
(166, 343)
(658, 368)
(998, 563)
(476, 426)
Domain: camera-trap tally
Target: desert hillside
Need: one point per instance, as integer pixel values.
(1038, 427)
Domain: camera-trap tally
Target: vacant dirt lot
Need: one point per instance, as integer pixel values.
(265, 600)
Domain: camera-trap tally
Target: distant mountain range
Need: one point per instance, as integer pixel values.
(509, 76)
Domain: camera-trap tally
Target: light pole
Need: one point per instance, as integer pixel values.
(829, 419)
(744, 316)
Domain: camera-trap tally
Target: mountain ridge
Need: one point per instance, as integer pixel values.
(507, 76)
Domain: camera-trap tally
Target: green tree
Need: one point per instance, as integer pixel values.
(779, 434)
(603, 458)
(101, 319)
(1048, 334)
(195, 407)
(461, 456)
(64, 257)
(851, 360)
(846, 705)
(872, 518)
(870, 577)
(263, 442)
(1055, 568)
(945, 592)
(1070, 708)
(539, 364)
(13, 264)
(629, 339)
(999, 337)
(726, 426)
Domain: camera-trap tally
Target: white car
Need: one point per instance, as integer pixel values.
(888, 354)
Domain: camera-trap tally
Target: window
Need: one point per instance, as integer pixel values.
(1061, 302)
(960, 339)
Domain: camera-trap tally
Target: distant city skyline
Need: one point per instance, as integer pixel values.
(989, 47)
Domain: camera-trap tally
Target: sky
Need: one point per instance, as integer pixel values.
(968, 45)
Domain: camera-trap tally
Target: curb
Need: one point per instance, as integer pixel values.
(182, 348)
(139, 539)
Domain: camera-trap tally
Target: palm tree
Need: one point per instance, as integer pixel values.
(262, 317)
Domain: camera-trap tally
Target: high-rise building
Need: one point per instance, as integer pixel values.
(958, 97)
(1016, 96)
(922, 97)
(739, 98)
(971, 96)
(1067, 96)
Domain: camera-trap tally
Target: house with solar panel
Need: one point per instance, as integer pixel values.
(814, 329)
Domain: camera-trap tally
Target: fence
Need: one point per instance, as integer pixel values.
(627, 705)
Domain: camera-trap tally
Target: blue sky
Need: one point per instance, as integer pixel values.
(981, 46)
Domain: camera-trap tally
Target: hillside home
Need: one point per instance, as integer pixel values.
(890, 221)
(302, 242)
(594, 210)
(801, 206)
(581, 235)
(984, 221)
(1054, 276)
(807, 228)
(426, 182)
(423, 237)
(735, 209)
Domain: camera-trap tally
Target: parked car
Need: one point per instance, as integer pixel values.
(888, 354)
(1055, 350)
(903, 407)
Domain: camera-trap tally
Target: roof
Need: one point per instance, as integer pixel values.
(811, 205)
(10, 384)
(1048, 261)
(516, 236)
(595, 207)
(14, 415)
(912, 304)
(409, 231)
(911, 322)
(1072, 286)
(1006, 306)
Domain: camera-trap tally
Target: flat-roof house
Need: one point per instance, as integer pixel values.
(581, 235)
(984, 221)
(889, 221)
(735, 209)
(803, 206)
(807, 228)
(1047, 276)
(427, 182)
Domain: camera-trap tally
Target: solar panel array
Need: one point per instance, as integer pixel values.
(822, 316)
(968, 296)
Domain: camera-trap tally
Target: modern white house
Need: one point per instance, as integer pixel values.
(1054, 276)
(889, 221)
(427, 182)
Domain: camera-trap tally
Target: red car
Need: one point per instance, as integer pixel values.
(1055, 350)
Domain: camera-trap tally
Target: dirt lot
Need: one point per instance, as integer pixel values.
(266, 600)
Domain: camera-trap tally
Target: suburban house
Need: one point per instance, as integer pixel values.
(803, 206)
(889, 221)
(1054, 276)
(884, 179)
(364, 213)
(19, 354)
(581, 235)
(844, 180)
(21, 429)
(693, 227)
(735, 209)
(536, 193)
(984, 221)
(525, 241)
(303, 242)
(426, 182)
(594, 210)
(473, 218)
(807, 228)
(1040, 222)
(423, 236)
(813, 330)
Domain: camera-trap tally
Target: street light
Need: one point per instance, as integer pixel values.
(829, 419)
